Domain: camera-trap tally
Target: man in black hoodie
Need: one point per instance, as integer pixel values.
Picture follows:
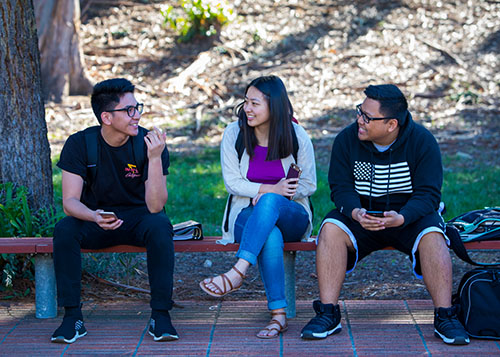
(385, 178)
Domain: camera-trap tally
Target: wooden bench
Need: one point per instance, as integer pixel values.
(45, 284)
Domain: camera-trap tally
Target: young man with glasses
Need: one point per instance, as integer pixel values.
(385, 178)
(133, 189)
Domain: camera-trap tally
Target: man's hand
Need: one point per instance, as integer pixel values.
(107, 224)
(155, 141)
(393, 219)
(371, 223)
(156, 186)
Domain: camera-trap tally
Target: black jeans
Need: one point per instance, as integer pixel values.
(140, 228)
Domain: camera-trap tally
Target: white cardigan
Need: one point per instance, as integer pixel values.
(235, 171)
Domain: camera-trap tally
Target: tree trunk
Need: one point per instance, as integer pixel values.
(24, 147)
(63, 72)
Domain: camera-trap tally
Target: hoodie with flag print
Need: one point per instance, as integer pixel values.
(406, 178)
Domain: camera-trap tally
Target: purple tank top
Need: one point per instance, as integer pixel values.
(262, 171)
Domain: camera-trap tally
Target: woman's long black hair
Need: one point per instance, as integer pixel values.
(280, 143)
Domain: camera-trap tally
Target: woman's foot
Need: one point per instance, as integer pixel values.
(223, 284)
(276, 326)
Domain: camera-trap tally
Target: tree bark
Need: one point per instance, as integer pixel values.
(62, 63)
(24, 147)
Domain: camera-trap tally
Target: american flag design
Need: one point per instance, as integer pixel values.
(398, 181)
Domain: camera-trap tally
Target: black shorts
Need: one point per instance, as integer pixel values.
(404, 239)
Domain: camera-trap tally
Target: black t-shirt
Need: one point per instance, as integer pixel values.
(119, 183)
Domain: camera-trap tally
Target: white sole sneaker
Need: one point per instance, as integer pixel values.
(61, 339)
(320, 335)
(164, 337)
(452, 341)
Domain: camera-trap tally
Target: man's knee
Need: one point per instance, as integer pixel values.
(333, 234)
(158, 232)
(432, 249)
(158, 223)
(433, 241)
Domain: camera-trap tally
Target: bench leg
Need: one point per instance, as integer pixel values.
(289, 262)
(45, 287)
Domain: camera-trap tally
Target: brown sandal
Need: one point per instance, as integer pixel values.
(226, 284)
(273, 321)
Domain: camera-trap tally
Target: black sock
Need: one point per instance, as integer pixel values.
(156, 312)
(74, 311)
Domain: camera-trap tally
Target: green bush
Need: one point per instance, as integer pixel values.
(200, 18)
(17, 220)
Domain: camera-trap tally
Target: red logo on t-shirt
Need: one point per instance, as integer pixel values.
(132, 171)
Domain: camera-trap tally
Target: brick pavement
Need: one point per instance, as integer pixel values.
(225, 327)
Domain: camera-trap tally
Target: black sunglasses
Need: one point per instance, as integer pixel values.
(131, 110)
(366, 118)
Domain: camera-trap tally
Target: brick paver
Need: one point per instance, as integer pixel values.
(228, 328)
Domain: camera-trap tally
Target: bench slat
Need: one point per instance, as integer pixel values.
(208, 244)
(19, 245)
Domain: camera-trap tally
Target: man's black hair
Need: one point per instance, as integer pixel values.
(106, 95)
(392, 101)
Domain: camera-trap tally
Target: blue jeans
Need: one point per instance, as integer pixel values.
(261, 231)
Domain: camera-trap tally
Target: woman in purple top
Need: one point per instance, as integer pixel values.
(264, 208)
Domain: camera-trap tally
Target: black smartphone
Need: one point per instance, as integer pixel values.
(375, 213)
(294, 171)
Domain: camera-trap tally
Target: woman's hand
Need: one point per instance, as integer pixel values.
(286, 188)
(256, 198)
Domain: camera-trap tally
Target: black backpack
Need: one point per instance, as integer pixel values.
(92, 146)
(477, 225)
(478, 299)
(478, 294)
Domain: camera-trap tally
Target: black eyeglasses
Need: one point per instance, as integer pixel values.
(365, 117)
(131, 110)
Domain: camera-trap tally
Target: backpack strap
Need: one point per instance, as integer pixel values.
(295, 143)
(91, 144)
(458, 246)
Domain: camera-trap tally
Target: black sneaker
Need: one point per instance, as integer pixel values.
(161, 328)
(448, 328)
(325, 323)
(71, 329)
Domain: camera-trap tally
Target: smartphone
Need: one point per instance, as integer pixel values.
(108, 215)
(294, 171)
(375, 213)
